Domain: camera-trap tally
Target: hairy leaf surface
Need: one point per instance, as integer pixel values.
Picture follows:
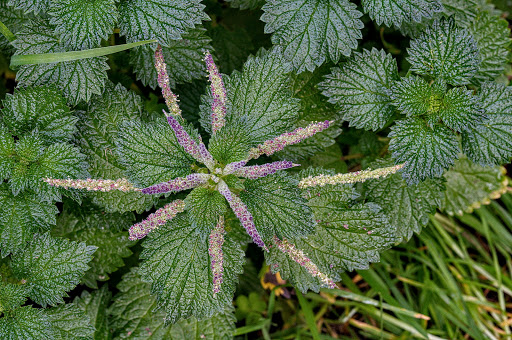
(26, 323)
(95, 306)
(394, 12)
(70, 322)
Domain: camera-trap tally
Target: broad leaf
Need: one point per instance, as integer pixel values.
(407, 206)
(277, 207)
(12, 296)
(445, 51)
(427, 151)
(12, 18)
(135, 317)
(7, 153)
(159, 19)
(313, 31)
(204, 207)
(177, 264)
(78, 79)
(70, 322)
(468, 185)
(28, 6)
(95, 305)
(461, 111)
(413, 96)
(51, 267)
(184, 59)
(491, 142)
(394, 12)
(464, 11)
(81, 24)
(26, 323)
(232, 48)
(360, 89)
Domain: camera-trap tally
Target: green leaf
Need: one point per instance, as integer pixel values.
(81, 24)
(112, 245)
(12, 296)
(7, 153)
(51, 267)
(12, 18)
(261, 107)
(28, 6)
(394, 12)
(20, 217)
(468, 185)
(135, 317)
(78, 79)
(98, 130)
(492, 37)
(232, 48)
(413, 96)
(95, 306)
(345, 239)
(360, 89)
(159, 19)
(70, 322)
(463, 11)
(204, 207)
(406, 206)
(184, 59)
(177, 264)
(39, 110)
(277, 207)
(151, 153)
(427, 151)
(26, 323)
(461, 111)
(312, 31)
(445, 51)
(491, 142)
(246, 4)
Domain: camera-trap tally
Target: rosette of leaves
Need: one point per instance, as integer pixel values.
(310, 225)
(437, 105)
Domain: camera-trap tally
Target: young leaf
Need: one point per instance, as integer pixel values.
(406, 206)
(39, 110)
(177, 264)
(20, 217)
(69, 322)
(204, 207)
(360, 89)
(81, 24)
(277, 207)
(135, 317)
(78, 79)
(413, 96)
(95, 305)
(461, 111)
(159, 19)
(445, 51)
(26, 323)
(98, 129)
(491, 142)
(28, 6)
(394, 12)
(468, 185)
(51, 267)
(312, 31)
(183, 58)
(345, 239)
(427, 151)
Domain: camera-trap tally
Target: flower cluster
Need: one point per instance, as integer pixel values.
(215, 251)
(90, 184)
(156, 219)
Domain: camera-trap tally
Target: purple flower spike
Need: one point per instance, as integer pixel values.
(242, 213)
(163, 81)
(177, 184)
(257, 171)
(298, 256)
(216, 256)
(218, 93)
(289, 138)
(156, 219)
(232, 167)
(198, 151)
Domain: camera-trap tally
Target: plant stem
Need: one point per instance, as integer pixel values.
(6, 32)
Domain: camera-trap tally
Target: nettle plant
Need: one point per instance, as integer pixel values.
(321, 166)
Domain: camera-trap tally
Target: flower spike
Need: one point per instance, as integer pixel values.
(178, 184)
(156, 219)
(242, 213)
(163, 81)
(289, 138)
(198, 151)
(216, 256)
(298, 256)
(257, 171)
(232, 167)
(218, 93)
(351, 177)
(93, 184)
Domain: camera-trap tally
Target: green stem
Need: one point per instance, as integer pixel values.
(46, 58)
(308, 315)
(6, 32)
